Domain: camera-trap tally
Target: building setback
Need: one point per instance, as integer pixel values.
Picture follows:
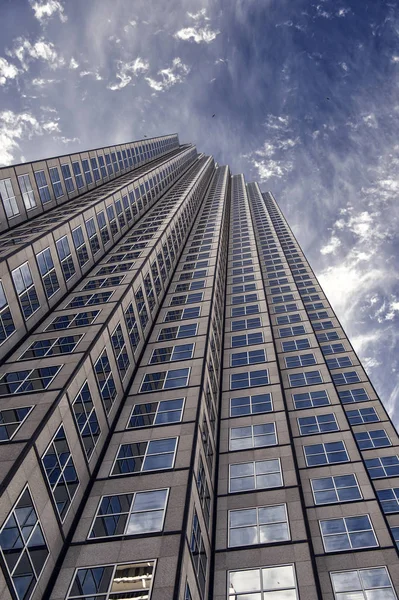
(181, 413)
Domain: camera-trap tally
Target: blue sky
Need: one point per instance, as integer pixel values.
(306, 102)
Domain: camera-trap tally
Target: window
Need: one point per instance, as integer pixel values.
(385, 466)
(79, 243)
(86, 419)
(255, 475)
(253, 436)
(7, 326)
(198, 553)
(182, 331)
(290, 346)
(341, 488)
(66, 173)
(42, 186)
(186, 299)
(203, 491)
(171, 353)
(23, 546)
(145, 456)
(82, 319)
(11, 420)
(249, 309)
(249, 379)
(247, 358)
(306, 378)
(51, 347)
(247, 339)
(47, 271)
(295, 318)
(130, 514)
(364, 584)
(26, 290)
(156, 413)
(362, 415)
(333, 349)
(247, 405)
(29, 380)
(348, 533)
(181, 314)
(246, 324)
(263, 584)
(317, 424)
(8, 197)
(302, 360)
(372, 439)
(109, 582)
(325, 454)
(94, 167)
(389, 499)
(89, 299)
(60, 472)
(78, 174)
(27, 192)
(55, 180)
(105, 381)
(338, 363)
(86, 171)
(289, 331)
(120, 351)
(348, 377)
(351, 396)
(261, 525)
(165, 380)
(65, 256)
(327, 337)
(311, 399)
(141, 307)
(92, 235)
(132, 328)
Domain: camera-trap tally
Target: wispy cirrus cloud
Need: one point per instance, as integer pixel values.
(26, 51)
(7, 71)
(127, 71)
(45, 9)
(197, 34)
(170, 76)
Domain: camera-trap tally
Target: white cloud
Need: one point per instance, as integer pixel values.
(13, 128)
(198, 34)
(332, 246)
(95, 74)
(130, 24)
(66, 140)
(7, 71)
(127, 70)
(276, 150)
(343, 12)
(25, 51)
(170, 76)
(44, 9)
(73, 64)
(395, 59)
(201, 14)
(40, 82)
(51, 127)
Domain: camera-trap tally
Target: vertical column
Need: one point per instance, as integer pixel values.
(262, 544)
(332, 441)
(146, 527)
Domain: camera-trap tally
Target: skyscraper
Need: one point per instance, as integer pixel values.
(182, 414)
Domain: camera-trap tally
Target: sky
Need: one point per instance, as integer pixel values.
(305, 98)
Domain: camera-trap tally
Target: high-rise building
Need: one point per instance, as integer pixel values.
(181, 413)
